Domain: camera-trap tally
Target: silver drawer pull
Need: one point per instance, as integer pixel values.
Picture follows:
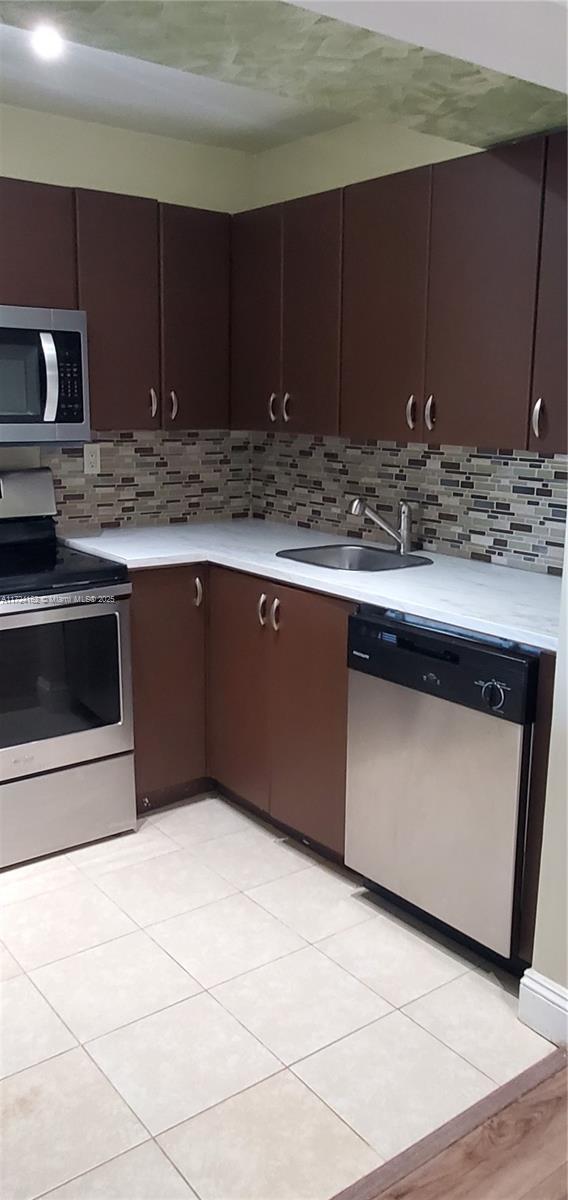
(286, 407)
(275, 615)
(430, 413)
(271, 403)
(198, 592)
(261, 609)
(411, 412)
(153, 402)
(536, 417)
(175, 405)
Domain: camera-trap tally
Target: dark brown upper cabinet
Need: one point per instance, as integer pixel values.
(311, 313)
(286, 297)
(385, 283)
(117, 244)
(548, 416)
(256, 318)
(484, 246)
(194, 293)
(37, 245)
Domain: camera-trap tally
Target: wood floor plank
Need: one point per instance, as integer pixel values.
(554, 1187)
(509, 1157)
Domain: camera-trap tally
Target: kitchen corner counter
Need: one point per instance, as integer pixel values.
(523, 606)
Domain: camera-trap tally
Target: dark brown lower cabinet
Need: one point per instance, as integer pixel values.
(168, 676)
(277, 701)
(237, 685)
(308, 715)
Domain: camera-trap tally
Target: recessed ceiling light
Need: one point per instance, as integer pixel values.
(47, 42)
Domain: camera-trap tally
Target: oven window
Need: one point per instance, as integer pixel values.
(22, 375)
(59, 678)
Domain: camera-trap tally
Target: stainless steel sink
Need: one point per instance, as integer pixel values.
(354, 558)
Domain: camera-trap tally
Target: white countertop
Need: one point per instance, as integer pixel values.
(523, 606)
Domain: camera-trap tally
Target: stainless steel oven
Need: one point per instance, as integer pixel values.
(66, 735)
(44, 389)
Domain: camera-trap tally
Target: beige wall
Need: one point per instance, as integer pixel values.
(53, 149)
(360, 150)
(63, 150)
(551, 940)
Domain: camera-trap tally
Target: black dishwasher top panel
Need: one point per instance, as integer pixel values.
(492, 678)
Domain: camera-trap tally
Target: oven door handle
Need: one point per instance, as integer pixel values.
(80, 611)
(51, 377)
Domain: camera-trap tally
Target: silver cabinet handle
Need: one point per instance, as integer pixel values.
(198, 600)
(536, 417)
(51, 376)
(153, 402)
(175, 405)
(430, 413)
(286, 407)
(271, 403)
(261, 609)
(274, 615)
(411, 411)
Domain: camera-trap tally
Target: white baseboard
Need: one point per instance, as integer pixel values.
(543, 1006)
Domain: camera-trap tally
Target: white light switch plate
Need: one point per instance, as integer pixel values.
(92, 458)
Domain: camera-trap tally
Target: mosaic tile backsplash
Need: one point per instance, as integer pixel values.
(153, 478)
(508, 508)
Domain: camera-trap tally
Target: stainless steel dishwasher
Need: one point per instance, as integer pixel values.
(439, 740)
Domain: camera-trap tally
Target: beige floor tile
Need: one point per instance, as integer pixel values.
(316, 902)
(98, 858)
(225, 939)
(201, 820)
(44, 928)
(9, 968)
(276, 1141)
(141, 1174)
(251, 858)
(29, 1029)
(398, 963)
(58, 1119)
(36, 878)
(100, 989)
(393, 1083)
(478, 1018)
(300, 1003)
(175, 1063)
(164, 887)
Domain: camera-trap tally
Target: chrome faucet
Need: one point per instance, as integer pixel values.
(402, 536)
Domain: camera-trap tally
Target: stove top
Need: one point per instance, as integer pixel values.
(41, 570)
(33, 562)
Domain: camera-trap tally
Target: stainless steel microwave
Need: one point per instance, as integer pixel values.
(44, 385)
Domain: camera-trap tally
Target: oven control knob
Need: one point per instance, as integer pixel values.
(493, 695)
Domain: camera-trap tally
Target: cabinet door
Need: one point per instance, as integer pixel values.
(547, 430)
(308, 715)
(482, 291)
(117, 239)
(311, 313)
(194, 270)
(37, 245)
(168, 674)
(256, 318)
(237, 685)
(385, 273)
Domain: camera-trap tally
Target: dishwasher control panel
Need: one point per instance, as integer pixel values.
(483, 675)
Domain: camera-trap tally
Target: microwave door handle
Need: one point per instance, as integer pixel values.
(51, 376)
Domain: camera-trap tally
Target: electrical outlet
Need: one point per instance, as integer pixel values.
(92, 458)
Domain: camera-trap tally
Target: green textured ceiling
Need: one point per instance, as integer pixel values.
(315, 59)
